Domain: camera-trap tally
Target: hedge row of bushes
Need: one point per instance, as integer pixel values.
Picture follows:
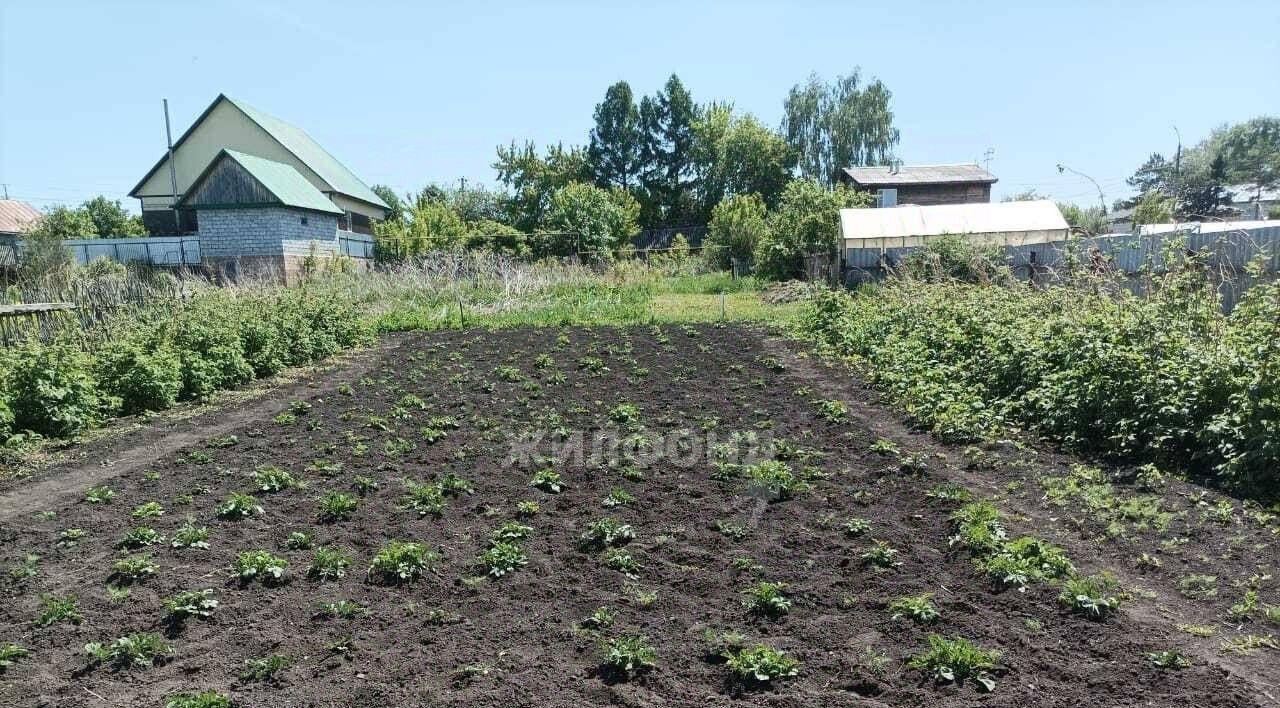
(1165, 378)
(218, 340)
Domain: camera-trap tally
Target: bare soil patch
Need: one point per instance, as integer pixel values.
(702, 536)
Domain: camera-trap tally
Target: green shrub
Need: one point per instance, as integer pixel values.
(50, 390)
(135, 380)
(1164, 378)
(207, 339)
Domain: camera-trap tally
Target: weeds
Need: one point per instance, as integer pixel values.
(265, 668)
(10, 653)
(775, 479)
(134, 568)
(59, 609)
(337, 506)
(208, 699)
(343, 609)
(425, 498)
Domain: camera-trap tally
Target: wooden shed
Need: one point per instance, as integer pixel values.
(922, 185)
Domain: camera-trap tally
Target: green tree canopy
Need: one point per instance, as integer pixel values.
(1251, 152)
(614, 150)
(588, 220)
(806, 222)
(63, 222)
(530, 180)
(838, 125)
(666, 155)
(110, 219)
(737, 224)
(738, 155)
(393, 200)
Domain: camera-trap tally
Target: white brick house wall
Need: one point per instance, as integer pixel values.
(267, 231)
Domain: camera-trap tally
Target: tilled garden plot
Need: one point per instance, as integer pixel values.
(751, 511)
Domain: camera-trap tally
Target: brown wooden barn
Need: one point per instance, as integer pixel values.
(922, 185)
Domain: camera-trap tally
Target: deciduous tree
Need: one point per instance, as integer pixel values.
(838, 125)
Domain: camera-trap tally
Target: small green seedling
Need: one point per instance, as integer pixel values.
(191, 603)
(629, 654)
(767, 599)
(259, 565)
(760, 664)
(956, 661)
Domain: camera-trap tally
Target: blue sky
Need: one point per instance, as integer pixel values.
(411, 93)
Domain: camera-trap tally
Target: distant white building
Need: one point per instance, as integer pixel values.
(1251, 204)
(1001, 224)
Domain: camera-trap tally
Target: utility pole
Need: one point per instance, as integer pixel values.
(173, 171)
(1177, 173)
(1102, 198)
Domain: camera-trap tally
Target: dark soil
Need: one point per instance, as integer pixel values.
(523, 627)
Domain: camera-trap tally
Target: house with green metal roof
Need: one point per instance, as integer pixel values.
(262, 218)
(233, 126)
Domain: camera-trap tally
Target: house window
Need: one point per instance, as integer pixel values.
(344, 221)
(887, 198)
(303, 219)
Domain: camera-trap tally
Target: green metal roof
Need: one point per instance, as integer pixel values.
(282, 181)
(296, 141)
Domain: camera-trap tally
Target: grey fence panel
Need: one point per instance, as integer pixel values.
(158, 250)
(355, 245)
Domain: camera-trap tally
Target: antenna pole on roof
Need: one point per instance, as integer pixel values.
(173, 171)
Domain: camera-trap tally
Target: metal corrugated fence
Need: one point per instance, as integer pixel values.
(156, 250)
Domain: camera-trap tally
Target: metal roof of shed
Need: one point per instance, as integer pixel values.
(15, 215)
(908, 221)
(281, 180)
(918, 174)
